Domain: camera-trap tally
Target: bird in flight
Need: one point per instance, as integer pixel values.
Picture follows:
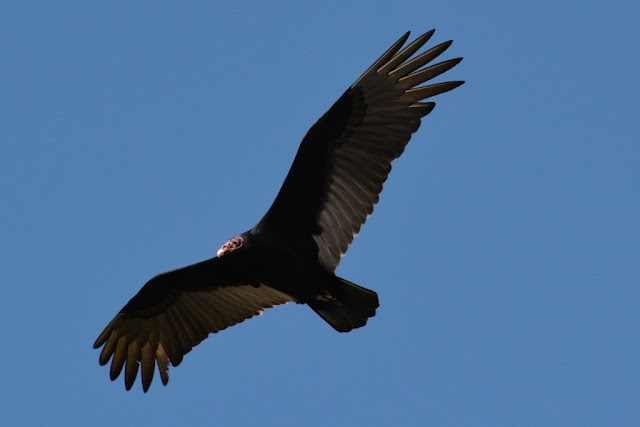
(293, 251)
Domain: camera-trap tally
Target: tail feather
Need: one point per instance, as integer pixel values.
(349, 308)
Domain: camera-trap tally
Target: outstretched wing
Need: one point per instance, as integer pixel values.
(344, 159)
(174, 312)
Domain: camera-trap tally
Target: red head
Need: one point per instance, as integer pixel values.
(231, 245)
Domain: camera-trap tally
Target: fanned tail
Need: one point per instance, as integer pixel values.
(349, 308)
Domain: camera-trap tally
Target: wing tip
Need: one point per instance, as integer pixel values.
(426, 36)
(102, 338)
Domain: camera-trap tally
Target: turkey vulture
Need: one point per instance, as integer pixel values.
(292, 253)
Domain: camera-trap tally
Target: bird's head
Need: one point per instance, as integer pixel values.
(232, 245)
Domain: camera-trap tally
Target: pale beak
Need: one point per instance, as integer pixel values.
(220, 252)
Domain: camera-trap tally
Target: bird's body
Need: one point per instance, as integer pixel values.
(280, 266)
(293, 251)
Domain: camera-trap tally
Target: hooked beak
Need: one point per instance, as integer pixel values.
(220, 252)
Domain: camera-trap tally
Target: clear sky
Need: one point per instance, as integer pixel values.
(137, 137)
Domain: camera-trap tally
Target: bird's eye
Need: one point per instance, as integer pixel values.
(233, 244)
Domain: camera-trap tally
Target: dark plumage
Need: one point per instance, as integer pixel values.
(292, 253)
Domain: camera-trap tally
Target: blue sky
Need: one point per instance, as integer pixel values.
(137, 138)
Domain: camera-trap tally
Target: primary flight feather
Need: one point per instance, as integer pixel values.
(292, 253)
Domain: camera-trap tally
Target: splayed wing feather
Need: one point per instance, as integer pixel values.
(429, 73)
(163, 364)
(385, 57)
(421, 60)
(405, 53)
